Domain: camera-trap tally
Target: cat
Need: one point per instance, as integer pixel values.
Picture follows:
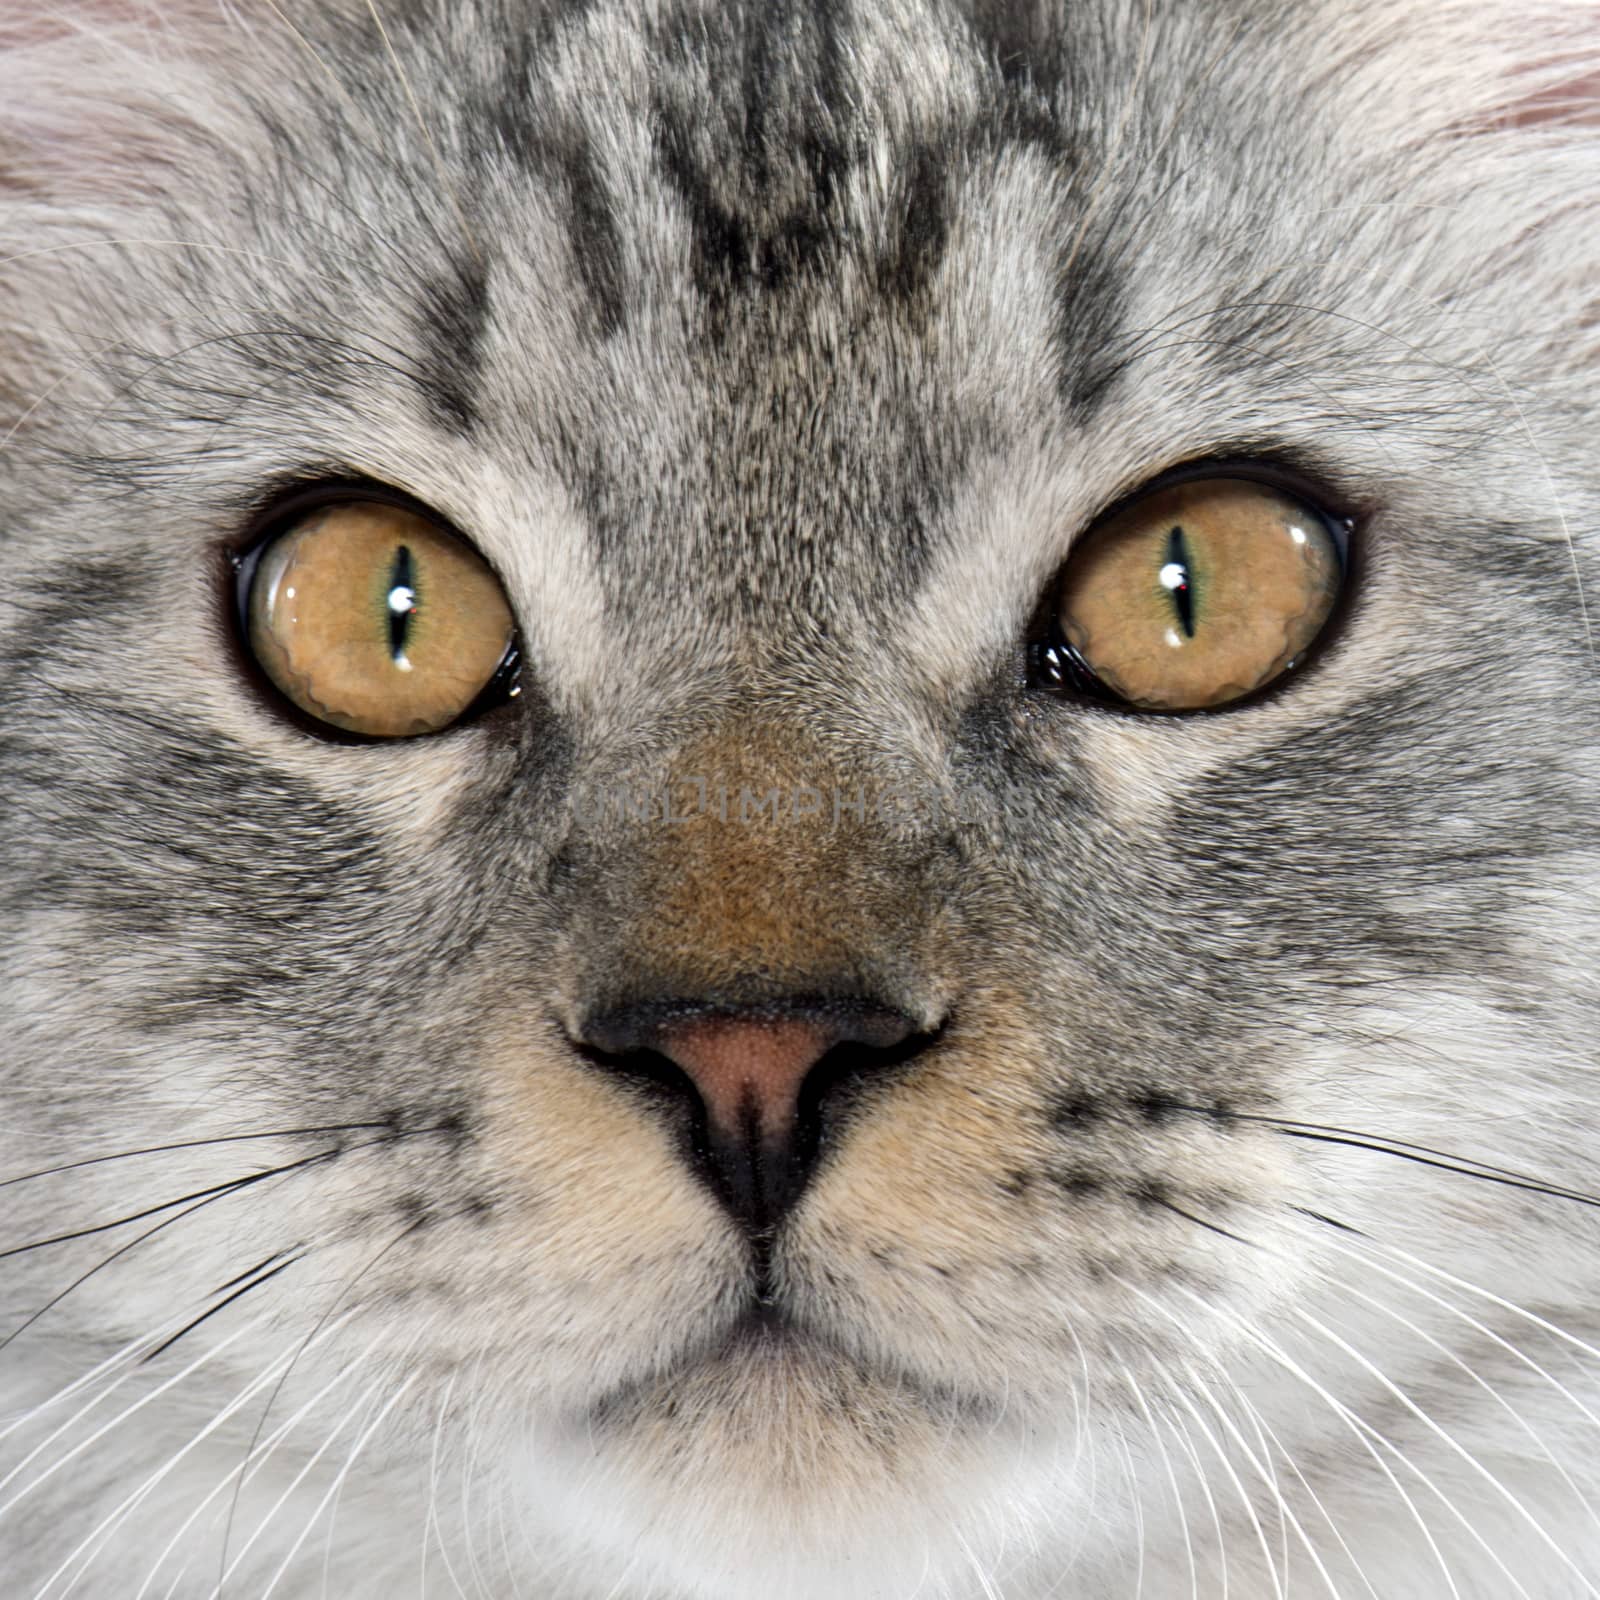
(798, 798)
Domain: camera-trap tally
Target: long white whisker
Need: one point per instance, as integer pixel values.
(1202, 1479)
(1480, 1328)
(132, 1410)
(432, 1532)
(985, 1582)
(1137, 1390)
(1368, 1437)
(125, 1356)
(1080, 1403)
(1455, 1360)
(89, 1546)
(499, 1510)
(1264, 1463)
(468, 1477)
(1449, 1440)
(1136, 1505)
(287, 1493)
(279, 1434)
(1555, 502)
(311, 1338)
(1263, 1468)
(1238, 1486)
(1443, 1276)
(344, 1471)
(1264, 1427)
(1083, 1451)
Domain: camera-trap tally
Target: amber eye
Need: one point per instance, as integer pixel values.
(371, 618)
(1197, 594)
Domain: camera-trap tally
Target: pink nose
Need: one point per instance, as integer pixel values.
(748, 1072)
(760, 1075)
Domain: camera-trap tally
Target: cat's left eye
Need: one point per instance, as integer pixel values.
(374, 620)
(1197, 594)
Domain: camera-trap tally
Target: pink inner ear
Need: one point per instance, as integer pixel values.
(92, 16)
(94, 92)
(1573, 101)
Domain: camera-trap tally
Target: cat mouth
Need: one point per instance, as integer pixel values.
(767, 1348)
(765, 1328)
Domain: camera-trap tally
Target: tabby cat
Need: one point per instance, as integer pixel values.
(799, 799)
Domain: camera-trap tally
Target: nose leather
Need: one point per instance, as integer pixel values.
(758, 1071)
(748, 1072)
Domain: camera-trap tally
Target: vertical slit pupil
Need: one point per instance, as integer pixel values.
(402, 601)
(1175, 580)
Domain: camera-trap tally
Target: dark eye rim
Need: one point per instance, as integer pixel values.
(1055, 670)
(277, 512)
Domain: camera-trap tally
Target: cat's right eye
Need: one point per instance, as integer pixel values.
(375, 620)
(1197, 594)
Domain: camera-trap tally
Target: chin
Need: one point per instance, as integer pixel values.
(773, 1465)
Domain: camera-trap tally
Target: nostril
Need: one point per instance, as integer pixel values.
(648, 1067)
(758, 1077)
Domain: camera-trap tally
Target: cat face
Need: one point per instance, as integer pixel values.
(800, 1077)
